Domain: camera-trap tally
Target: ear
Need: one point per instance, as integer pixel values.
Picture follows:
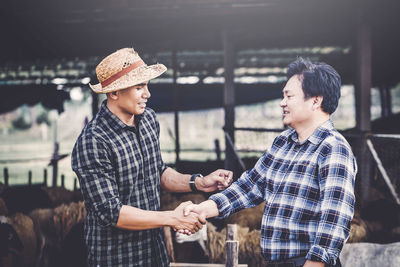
(113, 95)
(317, 101)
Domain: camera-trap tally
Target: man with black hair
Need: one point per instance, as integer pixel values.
(118, 161)
(306, 178)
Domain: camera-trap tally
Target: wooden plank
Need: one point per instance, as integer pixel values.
(182, 264)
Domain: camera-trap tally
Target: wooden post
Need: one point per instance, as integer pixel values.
(176, 107)
(30, 178)
(95, 104)
(6, 176)
(232, 246)
(217, 149)
(364, 81)
(363, 101)
(386, 101)
(45, 177)
(229, 98)
(62, 180)
(54, 163)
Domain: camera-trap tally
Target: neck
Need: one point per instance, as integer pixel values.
(126, 118)
(304, 131)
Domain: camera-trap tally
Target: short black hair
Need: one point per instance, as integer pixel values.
(317, 79)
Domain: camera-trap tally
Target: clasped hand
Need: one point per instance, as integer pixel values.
(189, 223)
(190, 217)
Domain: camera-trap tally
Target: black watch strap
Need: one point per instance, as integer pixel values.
(191, 182)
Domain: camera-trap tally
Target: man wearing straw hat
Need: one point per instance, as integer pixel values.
(118, 162)
(306, 178)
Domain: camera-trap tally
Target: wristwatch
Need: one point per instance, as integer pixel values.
(191, 182)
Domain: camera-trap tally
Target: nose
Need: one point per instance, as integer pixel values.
(282, 103)
(146, 92)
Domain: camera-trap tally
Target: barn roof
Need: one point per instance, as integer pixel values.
(66, 39)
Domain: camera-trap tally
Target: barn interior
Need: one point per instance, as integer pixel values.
(231, 52)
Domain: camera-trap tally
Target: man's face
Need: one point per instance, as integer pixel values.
(296, 110)
(133, 100)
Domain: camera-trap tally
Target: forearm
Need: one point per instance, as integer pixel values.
(210, 208)
(206, 209)
(173, 181)
(131, 218)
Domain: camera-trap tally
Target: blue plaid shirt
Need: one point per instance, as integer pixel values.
(120, 165)
(309, 192)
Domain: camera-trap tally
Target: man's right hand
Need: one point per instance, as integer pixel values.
(191, 223)
(204, 210)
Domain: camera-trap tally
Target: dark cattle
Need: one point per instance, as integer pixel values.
(9, 240)
(73, 248)
(381, 217)
(25, 199)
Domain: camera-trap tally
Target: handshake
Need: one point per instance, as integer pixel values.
(190, 218)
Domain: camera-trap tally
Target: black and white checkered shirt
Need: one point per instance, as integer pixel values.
(120, 165)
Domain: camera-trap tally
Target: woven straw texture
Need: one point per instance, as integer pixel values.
(116, 62)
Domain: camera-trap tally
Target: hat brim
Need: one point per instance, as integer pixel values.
(137, 76)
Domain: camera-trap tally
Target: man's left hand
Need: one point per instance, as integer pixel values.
(219, 179)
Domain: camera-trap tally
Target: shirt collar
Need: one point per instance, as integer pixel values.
(113, 120)
(318, 135)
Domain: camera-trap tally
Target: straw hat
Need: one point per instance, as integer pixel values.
(122, 69)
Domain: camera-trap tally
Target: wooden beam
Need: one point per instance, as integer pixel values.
(229, 98)
(176, 107)
(363, 84)
(363, 102)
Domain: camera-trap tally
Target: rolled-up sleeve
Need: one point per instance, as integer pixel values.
(248, 191)
(93, 166)
(337, 172)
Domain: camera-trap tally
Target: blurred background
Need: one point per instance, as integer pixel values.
(218, 103)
